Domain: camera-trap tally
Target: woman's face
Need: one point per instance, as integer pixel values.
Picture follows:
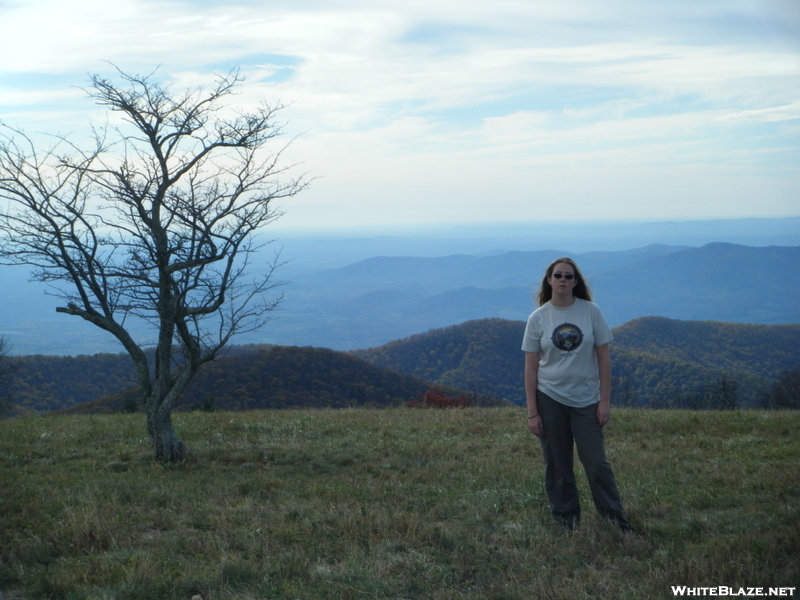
(562, 280)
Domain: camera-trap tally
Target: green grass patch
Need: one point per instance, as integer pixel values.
(389, 504)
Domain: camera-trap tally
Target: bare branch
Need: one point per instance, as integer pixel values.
(154, 225)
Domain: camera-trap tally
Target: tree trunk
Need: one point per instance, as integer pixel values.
(166, 445)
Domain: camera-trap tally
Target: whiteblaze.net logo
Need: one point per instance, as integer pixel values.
(723, 590)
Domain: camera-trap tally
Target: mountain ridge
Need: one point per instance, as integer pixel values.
(655, 362)
(280, 377)
(683, 370)
(384, 298)
(713, 282)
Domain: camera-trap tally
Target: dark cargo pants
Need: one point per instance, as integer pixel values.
(562, 425)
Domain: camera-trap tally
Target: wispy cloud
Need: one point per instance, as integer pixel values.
(470, 110)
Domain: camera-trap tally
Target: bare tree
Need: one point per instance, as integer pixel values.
(723, 395)
(785, 392)
(8, 366)
(156, 225)
(625, 392)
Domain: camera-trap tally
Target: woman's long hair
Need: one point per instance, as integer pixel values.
(581, 290)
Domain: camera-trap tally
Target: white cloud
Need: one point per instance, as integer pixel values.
(425, 110)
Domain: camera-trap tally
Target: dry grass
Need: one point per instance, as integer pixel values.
(389, 504)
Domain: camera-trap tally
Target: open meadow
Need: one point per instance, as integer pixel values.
(396, 503)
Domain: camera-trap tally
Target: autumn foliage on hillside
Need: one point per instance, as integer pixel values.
(438, 399)
(277, 377)
(656, 362)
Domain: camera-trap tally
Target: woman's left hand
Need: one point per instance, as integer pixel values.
(603, 412)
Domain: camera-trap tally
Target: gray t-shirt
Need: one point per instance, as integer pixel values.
(565, 339)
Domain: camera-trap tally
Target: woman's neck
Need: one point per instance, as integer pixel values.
(562, 301)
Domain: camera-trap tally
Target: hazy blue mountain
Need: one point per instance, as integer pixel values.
(434, 275)
(387, 287)
(720, 282)
(312, 251)
(385, 298)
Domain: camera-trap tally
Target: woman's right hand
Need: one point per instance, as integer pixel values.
(535, 425)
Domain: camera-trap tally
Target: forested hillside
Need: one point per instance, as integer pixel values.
(45, 383)
(655, 361)
(248, 378)
(483, 356)
(734, 347)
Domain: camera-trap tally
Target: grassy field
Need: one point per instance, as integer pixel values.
(390, 504)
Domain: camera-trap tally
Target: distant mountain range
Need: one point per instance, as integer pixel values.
(380, 299)
(656, 362)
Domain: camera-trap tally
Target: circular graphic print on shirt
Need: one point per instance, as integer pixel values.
(567, 337)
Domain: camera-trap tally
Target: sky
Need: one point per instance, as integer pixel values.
(428, 112)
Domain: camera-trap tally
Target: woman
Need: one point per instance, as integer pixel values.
(568, 389)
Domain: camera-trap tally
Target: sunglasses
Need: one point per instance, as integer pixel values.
(564, 275)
